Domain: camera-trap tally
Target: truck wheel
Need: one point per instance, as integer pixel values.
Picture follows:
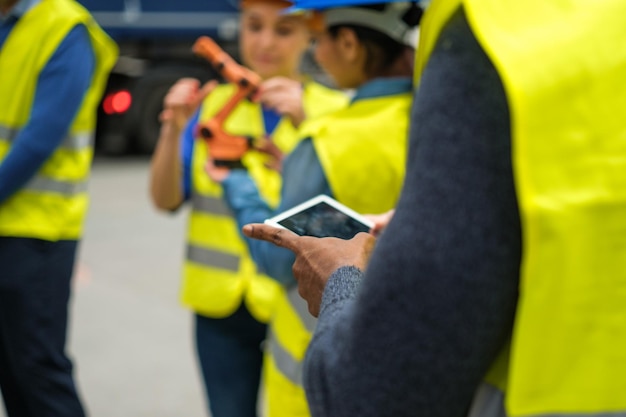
(148, 95)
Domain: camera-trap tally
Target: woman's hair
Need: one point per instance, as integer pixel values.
(383, 52)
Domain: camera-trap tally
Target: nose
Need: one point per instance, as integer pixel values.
(266, 39)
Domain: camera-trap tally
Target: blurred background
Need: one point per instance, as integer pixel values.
(155, 39)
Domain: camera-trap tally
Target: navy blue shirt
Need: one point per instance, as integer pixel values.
(61, 87)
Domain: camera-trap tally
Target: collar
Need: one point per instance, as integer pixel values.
(19, 10)
(382, 87)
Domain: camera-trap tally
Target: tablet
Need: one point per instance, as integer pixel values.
(322, 216)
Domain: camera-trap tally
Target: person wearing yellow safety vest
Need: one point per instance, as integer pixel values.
(498, 287)
(54, 63)
(230, 298)
(357, 155)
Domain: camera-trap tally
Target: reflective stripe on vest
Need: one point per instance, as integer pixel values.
(289, 367)
(66, 188)
(210, 205)
(208, 256)
(212, 258)
(76, 142)
(489, 402)
(41, 183)
(301, 308)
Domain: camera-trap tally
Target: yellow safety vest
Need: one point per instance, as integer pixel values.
(53, 204)
(362, 150)
(563, 66)
(219, 272)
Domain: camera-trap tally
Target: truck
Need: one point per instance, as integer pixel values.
(155, 38)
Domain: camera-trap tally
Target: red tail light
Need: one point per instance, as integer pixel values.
(117, 102)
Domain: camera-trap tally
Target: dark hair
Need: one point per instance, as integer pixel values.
(411, 17)
(382, 51)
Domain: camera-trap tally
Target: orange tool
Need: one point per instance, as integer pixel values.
(226, 149)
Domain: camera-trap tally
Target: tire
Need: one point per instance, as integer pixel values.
(148, 95)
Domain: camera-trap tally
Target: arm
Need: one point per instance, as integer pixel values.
(167, 188)
(437, 300)
(62, 84)
(303, 178)
(170, 168)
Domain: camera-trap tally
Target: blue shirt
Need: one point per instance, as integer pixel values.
(305, 179)
(61, 86)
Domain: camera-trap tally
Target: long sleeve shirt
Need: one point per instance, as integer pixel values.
(415, 334)
(61, 86)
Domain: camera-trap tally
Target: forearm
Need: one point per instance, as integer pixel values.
(19, 167)
(244, 199)
(166, 170)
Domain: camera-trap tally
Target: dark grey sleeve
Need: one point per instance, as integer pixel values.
(416, 333)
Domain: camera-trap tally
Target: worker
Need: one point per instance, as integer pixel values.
(54, 63)
(356, 155)
(498, 287)
(229, 298)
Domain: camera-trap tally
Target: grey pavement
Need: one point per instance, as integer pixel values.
(129, 336)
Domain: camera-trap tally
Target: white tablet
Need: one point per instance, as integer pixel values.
(322, 216)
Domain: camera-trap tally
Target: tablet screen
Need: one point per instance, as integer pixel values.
(323, 220)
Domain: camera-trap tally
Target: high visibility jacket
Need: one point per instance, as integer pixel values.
(563, 66)
(362, 150)
(219, 272)
(53, 204)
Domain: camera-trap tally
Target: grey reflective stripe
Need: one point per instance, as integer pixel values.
(213, 258)
(288, 366)
(7, 133)
(299, 305)
(75, 142)
(212, 205)
(49, 185)
(78, 142)
(488, 402)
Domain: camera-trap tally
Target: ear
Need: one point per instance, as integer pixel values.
(349, 45)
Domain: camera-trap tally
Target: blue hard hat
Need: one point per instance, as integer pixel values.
(396, 21)
(326, 4)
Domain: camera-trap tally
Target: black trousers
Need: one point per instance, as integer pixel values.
(230, 357)
(35, 373)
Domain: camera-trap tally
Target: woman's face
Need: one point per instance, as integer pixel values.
(272, 44)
